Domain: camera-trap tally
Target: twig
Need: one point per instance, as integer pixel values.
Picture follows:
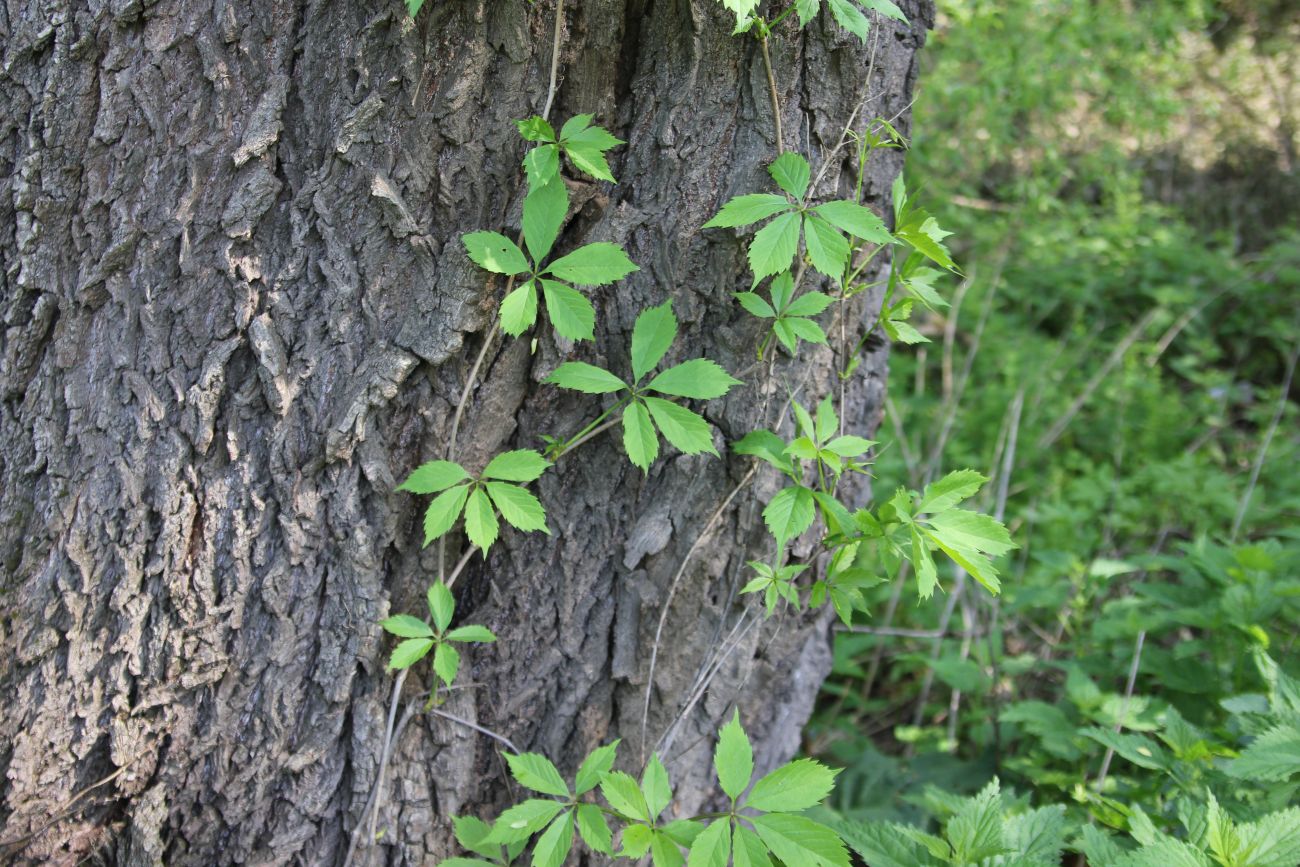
(1123, 707)
(1282, 400)
(776, 100)
(476, 727)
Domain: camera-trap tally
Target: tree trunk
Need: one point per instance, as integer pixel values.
(237, 313)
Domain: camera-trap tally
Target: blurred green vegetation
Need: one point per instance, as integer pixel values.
(1121, 179)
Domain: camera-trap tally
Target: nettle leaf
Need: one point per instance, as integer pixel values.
(791, 173)
(747, 209)
(433, 477)
(654, 331)
(792, 788)
(859, 221)
(409, 652)
(882, 845)
(712, 848)
(476, 634)
(442, 605)
(975, 832)
(789, 513)
(699, 378)
(571, 313)
(594, 829)
(827, 248)
(639, 438)
(597, 264)
(545, 206)
(587, 378)
(519, 309)
(520, 465)
(481, 524)
(594, 767)
(536, 128)
(524, 820)
(406, 626)
(553, 847)
(774, 246)
(443, 511)
(733, 758)
(1273, 756)
(495, 252)
(536, 772)
(446, 662)
(520, 508)
(798, 840)
(686, 430)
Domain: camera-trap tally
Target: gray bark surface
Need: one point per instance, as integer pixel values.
(236, 314)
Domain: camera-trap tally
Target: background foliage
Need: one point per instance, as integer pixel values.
(1121, 180)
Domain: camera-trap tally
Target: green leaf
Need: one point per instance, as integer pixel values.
(781, 288)
(594, 829)
(480, 520)
(472, 833)
(927, 577)
(827, 421)
(479, 634)
(747, 209)
(587, 378)
(495, 252)
(774, 246)
(806, 329)
(975, 832)
(850, 18)
(743, 9)
(575, 125)
(699, 378)
(535, 771)
(886, 8)
(414, 6)
(664, 851)
(519, 309)
(595, 264)
(406, 626)
(545, 206)
(552, 848)
(902, 332)
(524, 820)
(571, 313)
(521, 509)
(755, 305)
(636, 841)
(1273, 756)
(798, 840)
(654, 331)
(586, 150)
(809, 304)
(789, 513)
(446, 662)
(443, 511)
(594, 767)
(639, 438)
(442, 605)
(827, 248)
(686, 430)
(850, 446)
(520, 465)
(926, 238)
(766, 445)
(858, 221)
(625, 796)
(882, 845)
(791, 173)
(950, 490)
(433, 477)
(792, 788)
(655, 785)
(535, 128)
(1274, 840)
(733, 758)
(960, 527)
(409, 652)
(712, 848)
(747, 850)
(1138, 749)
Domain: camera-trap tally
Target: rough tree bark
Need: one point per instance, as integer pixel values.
(236, 313)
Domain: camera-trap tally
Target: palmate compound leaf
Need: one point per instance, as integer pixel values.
(789, 513)
(442, 605)
(791, 173)
(799, 840)
(595, 264)
(625, 796)
(792, 788)
(585, 145)
(519, 309)
(712, 848)
(495, 252)
(747, 850)
(747, 209)
(594, 767)
(520, 465)
(654, 331)
(639, 438)
(950, 490)
(553, 846)
(774, 246)
(471, 633)
(481, 524)
(446, 662)
(536, 772)
(544, 209)
(654, 784)
(406, 626)
(524, 820)
(686, 430)
(409, 652)
(859, 221)
(571, 313)
(587, 378)
(827, 248)
(536, 129)
(595, 829)
(733, 758)
(432, 477)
